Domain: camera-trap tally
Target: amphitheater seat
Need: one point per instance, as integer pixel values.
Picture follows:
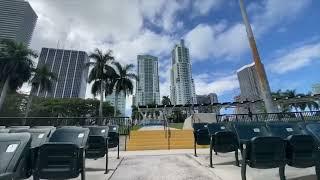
(14, 153)
(259, 149)
(63, 156)
(222, 140)
(98, 143)
(300, 147)
(201, 135)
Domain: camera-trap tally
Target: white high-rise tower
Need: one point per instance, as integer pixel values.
(182, 90)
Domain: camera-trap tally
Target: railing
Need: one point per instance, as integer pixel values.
(288, 116)
(124, 123)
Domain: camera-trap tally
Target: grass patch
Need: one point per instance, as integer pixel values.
(136, 127)
(176, 125)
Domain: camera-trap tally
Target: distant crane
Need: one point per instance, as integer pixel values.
(262, 77)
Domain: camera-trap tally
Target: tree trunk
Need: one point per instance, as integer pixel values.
(4, 92)
(115, 104)
(28, 108)
(101, 103)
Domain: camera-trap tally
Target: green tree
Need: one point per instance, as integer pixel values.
(166, 100)
(101, 74)
(41, 81)
(123, 81)
(15, 66)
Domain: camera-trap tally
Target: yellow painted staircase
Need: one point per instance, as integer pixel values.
(157, 140)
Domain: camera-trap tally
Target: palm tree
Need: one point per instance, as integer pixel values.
(123, 82)
(166, 100)
(101, 74)
(41, 81)
(15, 66)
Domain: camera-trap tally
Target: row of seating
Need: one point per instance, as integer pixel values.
(47, 152)
(263, 145)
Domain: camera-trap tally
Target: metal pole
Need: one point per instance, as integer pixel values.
(264, 84)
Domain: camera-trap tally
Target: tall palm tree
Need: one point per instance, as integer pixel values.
(166, 100)
(123, 82)
(41, 81)
(15, 66)
(101, 74)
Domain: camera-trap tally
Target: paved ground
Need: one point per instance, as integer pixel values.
(181, 165)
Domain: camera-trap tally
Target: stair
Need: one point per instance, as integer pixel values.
(156, 140)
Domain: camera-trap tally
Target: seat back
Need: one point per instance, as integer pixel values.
(283, 129)
(18, 129)
(97, 142)
(266, 152)
(14, 153)
(113, 135)
(201, 134)
(63, 156)
(39, 136)
(4, 130)
(73, 135)
(225, 141)
(248, 130)
(300, 151)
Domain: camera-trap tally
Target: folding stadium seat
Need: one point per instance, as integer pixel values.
(259, 149)
(18, 129)
(222, 140)
(98, 143)
(63, 156)
(113, 135)
(14, 153)
(300, 148)
(201, 135)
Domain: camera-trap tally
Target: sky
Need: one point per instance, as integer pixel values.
(287, 34)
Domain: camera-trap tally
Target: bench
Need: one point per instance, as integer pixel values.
(222, 140)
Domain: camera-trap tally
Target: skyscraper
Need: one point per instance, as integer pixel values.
(249, 85)
(17, 20)
(121, 107)
(316, 88)
(71, 71)
(147, 88)
(182, 90)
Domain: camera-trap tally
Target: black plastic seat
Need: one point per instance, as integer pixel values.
(259, 149)
(18, 129)
(4, 130)
(300, 147)
(113, 135)
(63, 157)
(201, 135)
(98, 143)
(222, 140)
(14, 153)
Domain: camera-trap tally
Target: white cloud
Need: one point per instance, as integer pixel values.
(205, 85)
(203, 7)
(296, 58)
(212, 42)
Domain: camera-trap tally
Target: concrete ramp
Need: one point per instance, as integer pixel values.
(199, 118)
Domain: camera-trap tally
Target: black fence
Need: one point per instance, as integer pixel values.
(124, 123)
(288, 116)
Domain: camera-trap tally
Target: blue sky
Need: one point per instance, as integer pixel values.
(287, 34)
